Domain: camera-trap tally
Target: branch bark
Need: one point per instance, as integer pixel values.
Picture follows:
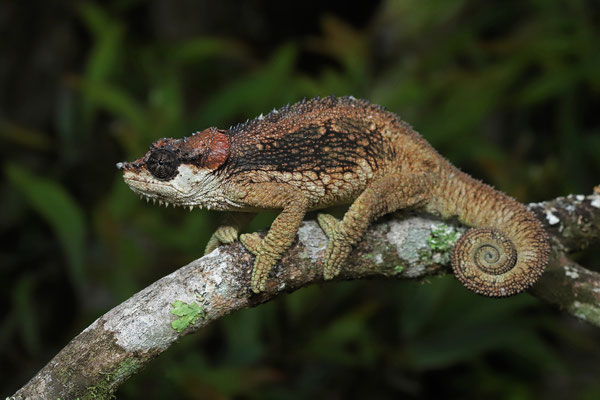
(118, 344)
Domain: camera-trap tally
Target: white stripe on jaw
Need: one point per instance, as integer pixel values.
(191, 187)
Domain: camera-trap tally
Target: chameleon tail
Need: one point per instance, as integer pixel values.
(506, 251)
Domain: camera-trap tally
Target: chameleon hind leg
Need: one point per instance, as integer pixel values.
(382, 196)
(229, 229)
(268, 251)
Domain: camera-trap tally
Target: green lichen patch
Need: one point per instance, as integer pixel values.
(398, 269)
(187, 313)
(440, 241)
(368, 256)
(104, 388)
(124, 369)
(442, 238)
(98, 392)
(586, 312)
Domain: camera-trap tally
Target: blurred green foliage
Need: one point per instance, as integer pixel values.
(509, 92)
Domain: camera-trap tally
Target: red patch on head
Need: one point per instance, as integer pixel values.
(211, 145)
(218, 150)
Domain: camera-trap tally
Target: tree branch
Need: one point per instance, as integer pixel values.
(127, 337)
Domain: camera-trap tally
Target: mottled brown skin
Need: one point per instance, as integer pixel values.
(324, 152)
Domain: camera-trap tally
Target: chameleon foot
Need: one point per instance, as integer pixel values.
(265, 260)
(251, 242)
(339, 247)
(223, 234)
(260, 272)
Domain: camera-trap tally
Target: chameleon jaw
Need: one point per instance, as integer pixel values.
(148, 188)
(162, 202)
(191, 187)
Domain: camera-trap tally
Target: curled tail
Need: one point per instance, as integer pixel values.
(507, 249)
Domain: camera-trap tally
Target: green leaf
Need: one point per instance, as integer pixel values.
(115, 100)
(21, 135)
(188, 313)
(203, 48)
(102, 61)
(251, 94)
(347, 340)
(22, 296)
(95, 18)
(59, 210)
(166, 106)
(103, 58)
(454, 345)
(549, 84)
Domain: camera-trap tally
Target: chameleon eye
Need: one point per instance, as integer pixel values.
(162, 163)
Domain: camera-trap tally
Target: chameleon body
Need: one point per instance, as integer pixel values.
(323, 152)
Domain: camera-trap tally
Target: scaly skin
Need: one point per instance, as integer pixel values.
(324, 152)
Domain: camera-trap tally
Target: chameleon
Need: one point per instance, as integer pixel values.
(332, 151)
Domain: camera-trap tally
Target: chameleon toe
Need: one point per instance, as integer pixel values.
(227, 234)
(212, 244)
(329, 224)
(336, 254)
(251, 242)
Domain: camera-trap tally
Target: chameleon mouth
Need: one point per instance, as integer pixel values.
(149, 189)
(142, 182)
(191, 188)
(166, 203)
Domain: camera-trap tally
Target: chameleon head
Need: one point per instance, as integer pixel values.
(180, 171)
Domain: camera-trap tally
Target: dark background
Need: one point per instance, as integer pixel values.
(508, 91)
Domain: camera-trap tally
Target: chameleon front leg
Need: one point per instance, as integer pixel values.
(384, 195)
(229, 229)
(282, 231)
